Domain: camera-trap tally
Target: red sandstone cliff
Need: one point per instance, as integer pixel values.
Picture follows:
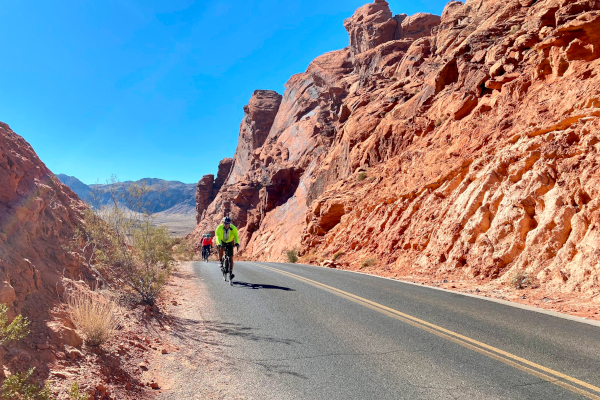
(466, 145)
(38, 218)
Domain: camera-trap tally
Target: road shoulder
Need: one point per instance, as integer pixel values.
(197, 367)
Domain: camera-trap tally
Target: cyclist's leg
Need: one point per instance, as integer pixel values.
(221, 254)
(230, 253)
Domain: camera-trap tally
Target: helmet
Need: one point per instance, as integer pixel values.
(226, 220)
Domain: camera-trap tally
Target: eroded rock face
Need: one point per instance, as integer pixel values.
(465, 146)
(416, 26)
(204, 195)
(38, 215)
(259, 115)
(38, 219)
(370, 26)
(208, 187)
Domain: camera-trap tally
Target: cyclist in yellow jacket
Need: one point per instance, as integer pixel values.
(226, 235)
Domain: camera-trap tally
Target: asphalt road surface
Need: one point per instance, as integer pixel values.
(303, 332)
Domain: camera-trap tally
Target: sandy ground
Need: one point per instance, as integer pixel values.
(178, 225)
(197, 367)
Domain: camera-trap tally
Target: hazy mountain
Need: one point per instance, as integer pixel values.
(172, 202)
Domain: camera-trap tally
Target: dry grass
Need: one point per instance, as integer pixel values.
(338, 254)
(94, 315)
(440, 121)
(368, 262)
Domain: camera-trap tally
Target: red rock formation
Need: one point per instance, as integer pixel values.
(204, 191)
(38, 218)
(208, 187)
(466, 149)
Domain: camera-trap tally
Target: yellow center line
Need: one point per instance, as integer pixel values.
(520, 363)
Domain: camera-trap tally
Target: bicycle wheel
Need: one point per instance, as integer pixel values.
(225, 269)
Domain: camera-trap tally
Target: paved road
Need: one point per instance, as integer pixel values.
(303, 332)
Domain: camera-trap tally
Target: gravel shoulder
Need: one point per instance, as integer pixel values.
(197, 367)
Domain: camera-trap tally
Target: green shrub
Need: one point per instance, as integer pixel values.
(16, 330)
(362, 176)
(292, 255)
(19, 387)
(138, 254)
(75, 394)
(338, 254)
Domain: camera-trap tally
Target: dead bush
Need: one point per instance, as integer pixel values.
(520, 280)
(368, 262)
(338, 254)
(95, 315)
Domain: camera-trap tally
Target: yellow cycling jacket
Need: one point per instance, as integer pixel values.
(232, 235)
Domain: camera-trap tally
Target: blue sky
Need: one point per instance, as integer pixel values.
(154, 88)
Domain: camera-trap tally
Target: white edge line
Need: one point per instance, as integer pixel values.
(505, 302)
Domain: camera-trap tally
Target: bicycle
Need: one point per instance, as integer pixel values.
(205, 254)
(227, 267)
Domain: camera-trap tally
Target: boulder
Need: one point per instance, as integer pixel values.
(63, 335)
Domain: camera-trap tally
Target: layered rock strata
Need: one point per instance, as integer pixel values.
(465, 145)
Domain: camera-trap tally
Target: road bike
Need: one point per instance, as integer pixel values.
(227, 267)
(205, 254)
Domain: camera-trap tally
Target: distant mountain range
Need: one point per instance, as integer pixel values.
(173, 203)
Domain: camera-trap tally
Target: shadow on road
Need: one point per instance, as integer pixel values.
(246, 285)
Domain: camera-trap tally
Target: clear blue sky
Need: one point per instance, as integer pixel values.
(142, 88)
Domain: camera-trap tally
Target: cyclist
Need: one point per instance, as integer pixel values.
(206, 245)
(226, 235)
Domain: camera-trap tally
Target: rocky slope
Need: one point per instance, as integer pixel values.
(465, 147)
(38, 218)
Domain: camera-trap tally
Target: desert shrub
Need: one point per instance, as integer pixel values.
(16, 330)
(19, 387)
(520, 279)
(440, 121)
(338, 254)
(122, 237)
(368, 262)
(75, 394)
(292, 255)
(514, 29)
(362, 176)
(184, 250)
(94, 315)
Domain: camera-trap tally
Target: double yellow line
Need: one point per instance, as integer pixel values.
(565, 381)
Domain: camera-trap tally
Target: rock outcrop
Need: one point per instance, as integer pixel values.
(38, 219)
(208, 187)
(465, 146)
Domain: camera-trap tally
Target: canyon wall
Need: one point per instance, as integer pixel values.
(464, 145)
(38, 219)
